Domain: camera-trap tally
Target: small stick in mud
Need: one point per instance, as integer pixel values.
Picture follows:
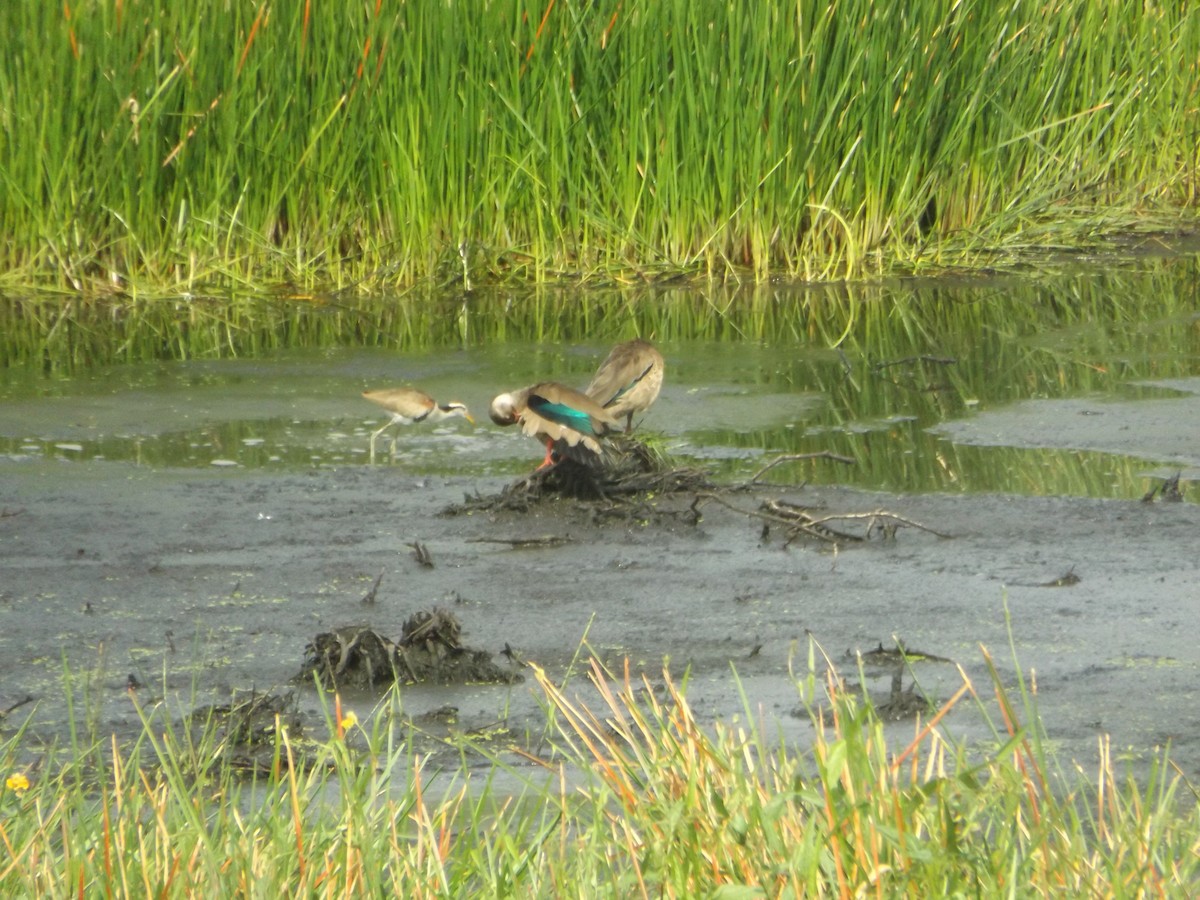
(512, 655)
(801, 523)
(546, 540)
(878, 520)
(1067, 580)
(1168, 490)
(28, 698)
(421, 554)
(369, 599)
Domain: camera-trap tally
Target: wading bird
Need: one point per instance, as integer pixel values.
(628, 381)
(557, 415)
(408, 405)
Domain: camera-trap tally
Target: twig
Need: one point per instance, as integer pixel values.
(27, 699)
(548, 540)
(753, 513)
(882, 514)
(421, 554)
(799, 522)
(370, 597)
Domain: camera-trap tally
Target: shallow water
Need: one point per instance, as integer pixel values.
(974, 385)
(196, 522)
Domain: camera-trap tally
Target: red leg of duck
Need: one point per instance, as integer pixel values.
(549, 460)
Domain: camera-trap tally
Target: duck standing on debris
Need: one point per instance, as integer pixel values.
(629, 380)
(408, 405)
(556, 415)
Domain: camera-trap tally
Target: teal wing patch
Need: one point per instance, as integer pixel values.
(562, 414)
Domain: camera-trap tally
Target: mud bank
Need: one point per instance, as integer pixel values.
(201, 583)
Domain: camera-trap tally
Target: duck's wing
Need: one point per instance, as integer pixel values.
(569, 409)
(632, 372)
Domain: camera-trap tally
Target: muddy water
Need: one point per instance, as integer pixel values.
(195, 524)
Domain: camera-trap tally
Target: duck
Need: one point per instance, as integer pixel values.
(628, 380)
(408, 406)
(556, 415)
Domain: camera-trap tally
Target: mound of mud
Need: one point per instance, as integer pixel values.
(429, 650)
(627, 470)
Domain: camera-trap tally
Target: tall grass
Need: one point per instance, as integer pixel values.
(146, 144)
(663, 806)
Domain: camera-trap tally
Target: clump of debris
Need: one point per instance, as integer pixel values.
(429, 650)
(245, 730)
(627, 469)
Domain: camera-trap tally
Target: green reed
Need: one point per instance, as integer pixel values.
(148, 146)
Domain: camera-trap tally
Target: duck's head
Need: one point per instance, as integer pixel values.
(504, 409)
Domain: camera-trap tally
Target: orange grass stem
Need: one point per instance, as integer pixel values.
(71, 30)
(262, 10)
(932, 723)
(537, 35)
(608, 29)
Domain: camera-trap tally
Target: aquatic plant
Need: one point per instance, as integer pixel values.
(150, 146)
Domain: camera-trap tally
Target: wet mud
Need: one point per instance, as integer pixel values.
(192, 588)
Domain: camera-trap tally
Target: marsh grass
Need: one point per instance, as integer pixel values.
(148, 146)
(635, 797)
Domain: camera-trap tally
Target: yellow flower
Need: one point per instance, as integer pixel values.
(17, 782)
(349, 720)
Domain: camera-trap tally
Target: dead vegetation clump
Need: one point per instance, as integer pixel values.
(429, 650)
(627, 471)
(245, 730)
(629, 479)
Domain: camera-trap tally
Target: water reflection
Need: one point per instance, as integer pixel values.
(873, 373)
